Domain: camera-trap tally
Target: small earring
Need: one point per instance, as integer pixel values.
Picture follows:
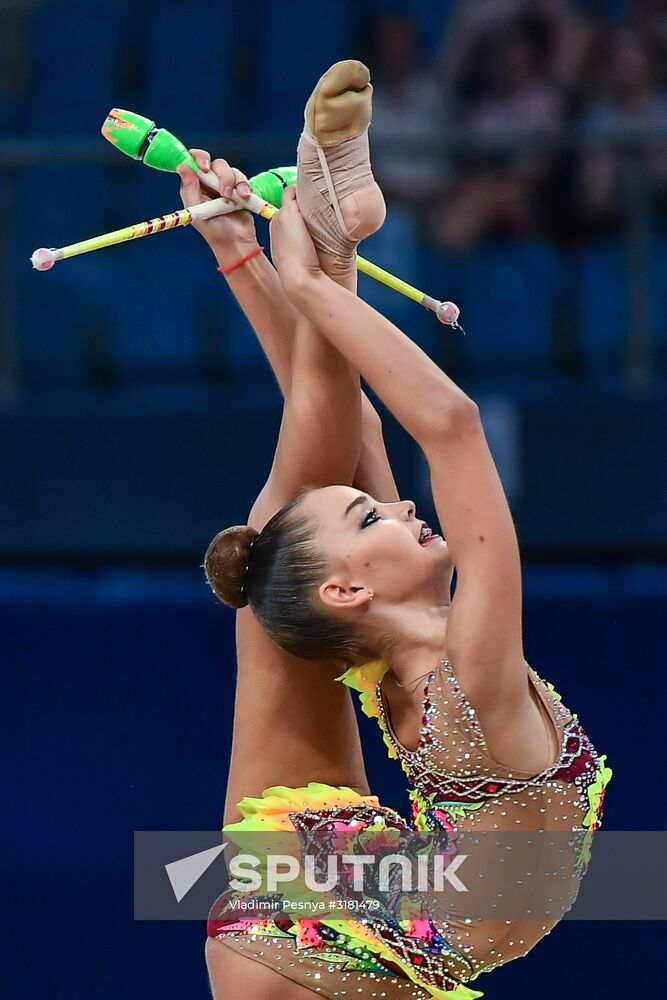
(370, 596)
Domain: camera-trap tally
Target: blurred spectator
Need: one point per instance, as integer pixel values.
(510, 90)
(625, 93)
(408, 113)
(475, 26)
(518, 92)
(650, 19)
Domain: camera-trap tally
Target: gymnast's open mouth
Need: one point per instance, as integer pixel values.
(426, 534)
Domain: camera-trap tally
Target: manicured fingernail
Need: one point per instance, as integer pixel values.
(244, 190)
(207, 163)
(227, 193)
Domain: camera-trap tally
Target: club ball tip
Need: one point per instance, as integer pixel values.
(43, 259)
(448, 312)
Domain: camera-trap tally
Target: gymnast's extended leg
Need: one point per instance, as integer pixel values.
(311, 751)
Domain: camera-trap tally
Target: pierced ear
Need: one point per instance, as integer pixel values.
(335, 595)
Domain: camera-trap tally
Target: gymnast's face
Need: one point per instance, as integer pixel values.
(377, 548)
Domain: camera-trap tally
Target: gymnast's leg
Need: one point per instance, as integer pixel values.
(308, 734)
(233, 975)
(309, 723)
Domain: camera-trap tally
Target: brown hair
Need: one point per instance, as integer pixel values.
(277, 571)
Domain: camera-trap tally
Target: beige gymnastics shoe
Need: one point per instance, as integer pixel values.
(336, 191)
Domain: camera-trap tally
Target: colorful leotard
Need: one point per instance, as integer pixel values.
(458, 789)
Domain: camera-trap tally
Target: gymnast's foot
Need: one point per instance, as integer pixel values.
(336, 192)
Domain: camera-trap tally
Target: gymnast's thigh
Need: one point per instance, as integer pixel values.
(233, 976)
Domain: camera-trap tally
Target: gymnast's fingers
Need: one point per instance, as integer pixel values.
(289, 196)
(226, 177)
(202, 158)
(291, 243)
(241, 186)
(191, 193)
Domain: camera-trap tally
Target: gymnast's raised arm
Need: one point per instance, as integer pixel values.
(484, 625)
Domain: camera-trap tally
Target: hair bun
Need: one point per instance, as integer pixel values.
(226, 562)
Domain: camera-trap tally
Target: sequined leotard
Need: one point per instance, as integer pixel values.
(456, 788)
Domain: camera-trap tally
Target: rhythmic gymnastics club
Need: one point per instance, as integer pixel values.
(141, 139)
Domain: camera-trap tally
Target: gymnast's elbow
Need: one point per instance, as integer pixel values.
(302, 288)
(451, 414)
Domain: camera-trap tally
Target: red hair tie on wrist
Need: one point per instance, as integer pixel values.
(244, 260)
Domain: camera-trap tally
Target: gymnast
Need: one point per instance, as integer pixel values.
(338, 576)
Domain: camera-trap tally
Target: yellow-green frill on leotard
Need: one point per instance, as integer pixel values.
(367, 954)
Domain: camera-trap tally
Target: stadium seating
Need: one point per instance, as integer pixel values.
(283, 83)
(93, 40)
(431, 18)
(58, 310)
(189, 73)
(603, 311)
(396, 248)
(510, 296)
(517, 298)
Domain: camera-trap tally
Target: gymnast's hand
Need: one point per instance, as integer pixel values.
(292, 249)
(229, 236)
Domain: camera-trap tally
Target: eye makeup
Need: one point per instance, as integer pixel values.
(372, 513)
